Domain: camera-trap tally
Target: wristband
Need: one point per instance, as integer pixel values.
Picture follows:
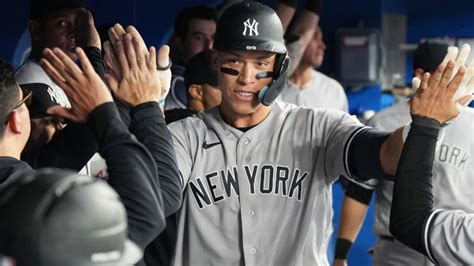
(342, 248)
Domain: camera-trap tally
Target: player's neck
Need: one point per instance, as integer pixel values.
(9, 150)
(244, 120)
(301, 76)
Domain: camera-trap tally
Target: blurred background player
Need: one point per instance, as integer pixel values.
(51, 24)
(194, 32)
(445, 236)
(304, 39)
(202, 93)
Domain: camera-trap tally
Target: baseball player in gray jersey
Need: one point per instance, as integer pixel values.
(452, 175)
(257, 174)
(445, 236)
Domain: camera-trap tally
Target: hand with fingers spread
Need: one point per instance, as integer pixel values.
(76, 83)
(140, 82)
(466, 88)
(116, 33)
(434, 97)
(135, 78)
(85, 33)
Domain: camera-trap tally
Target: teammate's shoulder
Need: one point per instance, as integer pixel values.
(301, 111)
(397, 111)
(468, 111)
(196, 120)
(465, 118)
(31, 72)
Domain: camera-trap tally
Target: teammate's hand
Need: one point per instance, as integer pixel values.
(435, 96)
(134, 77)
(139, 82)
(85, 33)
(339, 262)
(76, 83)
(467, 85)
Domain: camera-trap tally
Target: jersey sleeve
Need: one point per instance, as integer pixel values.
(449, 237)
(340, 129)
(183, 153)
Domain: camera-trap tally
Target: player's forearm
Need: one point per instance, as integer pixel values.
(148, 125)
(305, 25)
(352, 217)
(285, 11)
(132, 173)
(412, 193)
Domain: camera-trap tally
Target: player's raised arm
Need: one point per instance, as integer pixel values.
(446, 237)
(131, 167)
(439, 96)
(303, 27)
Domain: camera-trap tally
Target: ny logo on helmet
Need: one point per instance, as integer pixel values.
(252, 28)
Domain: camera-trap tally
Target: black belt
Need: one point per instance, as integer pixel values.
(386, 237)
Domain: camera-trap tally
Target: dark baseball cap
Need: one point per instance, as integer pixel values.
(42, 98)
(55, 217)
(199, 71)
(42, 8)
(428, 55)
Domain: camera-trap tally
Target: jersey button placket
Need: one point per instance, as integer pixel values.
(250, 207)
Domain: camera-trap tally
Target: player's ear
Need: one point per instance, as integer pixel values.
(196, 92)
(14, 122)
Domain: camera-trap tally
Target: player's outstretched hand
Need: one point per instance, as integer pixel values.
(136, 79)
(85, 33)
(466, 88)
(76, 83)
(435, 96)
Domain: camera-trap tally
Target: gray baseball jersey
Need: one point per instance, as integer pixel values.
(260, 197)
(449, 237)
(320, 92)
(32, 72)
(452, 175)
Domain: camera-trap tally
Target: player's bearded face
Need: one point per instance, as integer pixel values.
(238, 79)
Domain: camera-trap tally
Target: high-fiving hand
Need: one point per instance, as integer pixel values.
(434, 97)
(466, 88)
(83, 87)
(134, 77)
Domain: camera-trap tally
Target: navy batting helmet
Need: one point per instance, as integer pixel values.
(252, 26)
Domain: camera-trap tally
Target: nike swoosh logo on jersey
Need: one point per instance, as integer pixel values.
(207, 146)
